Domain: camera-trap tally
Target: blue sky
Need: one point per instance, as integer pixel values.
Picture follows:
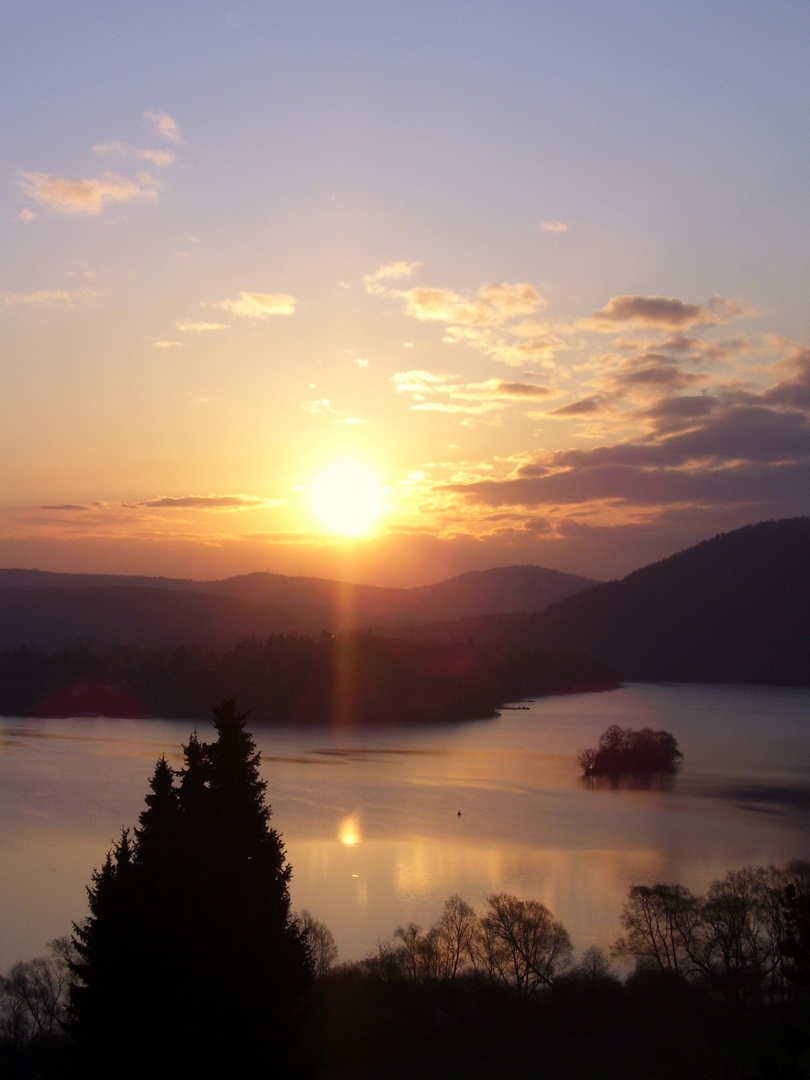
(541, 268)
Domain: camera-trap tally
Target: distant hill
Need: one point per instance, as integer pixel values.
(735, 608)
(50, 610)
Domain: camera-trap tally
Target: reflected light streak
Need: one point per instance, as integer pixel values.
(349, 831)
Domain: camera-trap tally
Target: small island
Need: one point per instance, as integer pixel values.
(625, 752)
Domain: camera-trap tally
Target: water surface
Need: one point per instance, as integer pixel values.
(380, 827)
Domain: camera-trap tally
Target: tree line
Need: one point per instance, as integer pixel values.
(726, 973)
(358, 678)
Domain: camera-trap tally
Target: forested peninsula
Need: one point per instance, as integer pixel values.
(357, 679)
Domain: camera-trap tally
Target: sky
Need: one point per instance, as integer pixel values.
(387, 292)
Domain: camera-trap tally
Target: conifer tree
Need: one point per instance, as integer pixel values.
(190, 963)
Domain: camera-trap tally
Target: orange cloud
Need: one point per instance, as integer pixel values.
(256, 305)
(388, 272)
(86, 196)
(200, 327)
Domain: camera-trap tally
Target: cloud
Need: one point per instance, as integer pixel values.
(444, 393)
(168, 344)
(795, 390)
(388, 272)
(468, 408)
(493, 304)
(200, 327)
(25, 215)
(86, 196)
(483, 320)
(541, 349)
(41, 298)
(204, 502)
(52, 298)
(515, 389)
(554, 227)
(164, 125)
(725, 453)
(419, 383)
(161, 158)
(318, 407)
(663, 312)
(442, 305)
(584, 407)
(652, 374)
(256, 305)
(511, 300)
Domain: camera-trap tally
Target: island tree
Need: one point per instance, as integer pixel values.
(624, 751)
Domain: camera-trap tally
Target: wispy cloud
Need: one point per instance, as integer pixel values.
(554, 227)
(388, 272)
(256, 305)
(164, 125)
(522, 390)
(90, 195)
(68, 507)
(200, 327)
(448, 394)
(204, 502)
(52, 298)
(41, 298)
(214, 502)
(318, 407)
(161, 158)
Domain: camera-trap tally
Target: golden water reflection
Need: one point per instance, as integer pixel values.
(381, 884)
(349, 831)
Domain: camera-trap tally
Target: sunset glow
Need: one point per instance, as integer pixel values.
(573, 335)
(346, 498)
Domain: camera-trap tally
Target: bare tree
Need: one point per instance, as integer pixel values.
(412, 948)
(594, 965)
(34, 993)
(319, 939)
(520, 943)
(660, 921)
(736, 943)
(457, 931)
(385, 961)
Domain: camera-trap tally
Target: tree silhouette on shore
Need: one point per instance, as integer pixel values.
(190, 963)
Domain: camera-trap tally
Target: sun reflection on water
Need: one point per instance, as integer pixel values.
(349, 831)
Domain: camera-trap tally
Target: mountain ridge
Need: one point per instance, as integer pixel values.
(43, 609)
(734, 608)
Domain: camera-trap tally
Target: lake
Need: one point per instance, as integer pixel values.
(371, 819)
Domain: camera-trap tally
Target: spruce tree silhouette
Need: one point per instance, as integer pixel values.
(190, 963)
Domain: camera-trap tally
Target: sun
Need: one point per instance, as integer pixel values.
(347, 498)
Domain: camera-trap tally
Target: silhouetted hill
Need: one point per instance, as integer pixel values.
(732, 609)
(49, 610)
